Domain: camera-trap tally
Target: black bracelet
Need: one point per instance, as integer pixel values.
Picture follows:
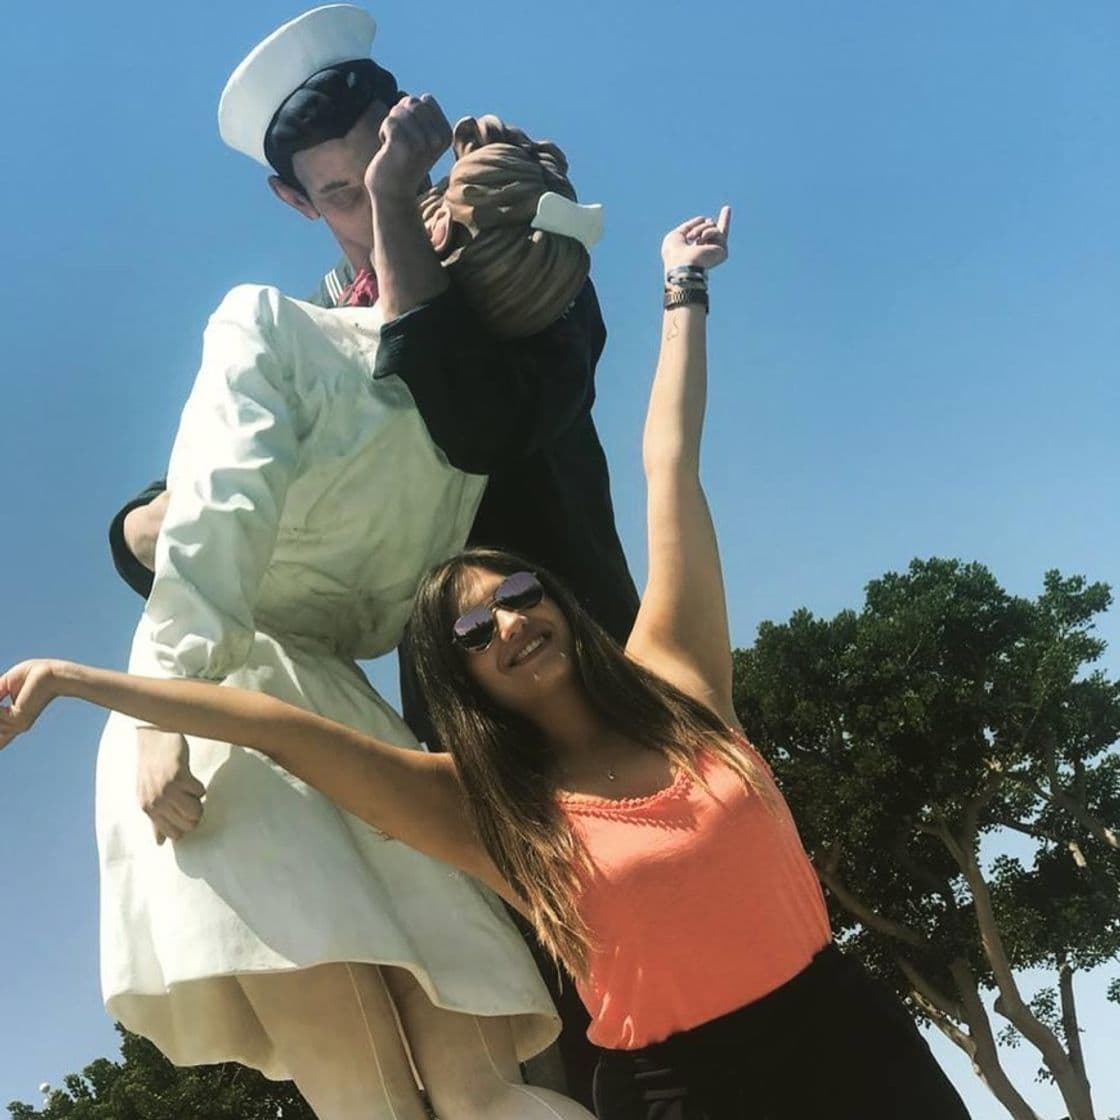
(686, 275)
(686, 297)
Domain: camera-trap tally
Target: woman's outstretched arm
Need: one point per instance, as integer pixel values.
(682, 631)
(413, 796)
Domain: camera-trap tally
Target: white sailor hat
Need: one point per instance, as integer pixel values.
(278, 66)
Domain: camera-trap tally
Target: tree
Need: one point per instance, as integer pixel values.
(946, 712)
(144, 1085)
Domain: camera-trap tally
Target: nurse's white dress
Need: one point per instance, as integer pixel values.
(307, 499)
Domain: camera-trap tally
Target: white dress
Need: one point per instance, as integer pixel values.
(307, 499)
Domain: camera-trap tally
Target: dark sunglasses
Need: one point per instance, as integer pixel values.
(474, 629)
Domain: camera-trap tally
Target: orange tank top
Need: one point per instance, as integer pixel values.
(698, 903)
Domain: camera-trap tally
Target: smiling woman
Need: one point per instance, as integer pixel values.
(609, 795)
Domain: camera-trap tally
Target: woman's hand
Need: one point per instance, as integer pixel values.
(700, 242)
(167, 790)
(25, 690)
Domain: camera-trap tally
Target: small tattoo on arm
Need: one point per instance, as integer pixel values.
(673, 331)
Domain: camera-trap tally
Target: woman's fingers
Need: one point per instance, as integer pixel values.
(687, 229)
(8, 728)
(707, 233)
(692, 226)
(699, 241)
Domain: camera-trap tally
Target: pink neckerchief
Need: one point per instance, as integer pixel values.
(361, 291)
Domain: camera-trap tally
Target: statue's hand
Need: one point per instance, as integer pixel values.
(168, 792)
(413, 137)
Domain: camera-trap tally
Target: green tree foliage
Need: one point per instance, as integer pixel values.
(144, 1085)
(945, 713)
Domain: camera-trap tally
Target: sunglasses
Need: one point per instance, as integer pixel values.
(474, 629)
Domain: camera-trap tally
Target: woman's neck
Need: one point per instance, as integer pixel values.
(577, 733)
(565, 715)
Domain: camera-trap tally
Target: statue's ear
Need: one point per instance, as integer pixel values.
(297, 200)
(466, 136)
(440, 230)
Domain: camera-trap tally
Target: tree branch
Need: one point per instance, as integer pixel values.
(1010, 1003)
(859, 909)
(930, 995)
(1037, 833)
(1074, 805)
(944, 1023)
(996, 778)
(922, 875)
(1092, 824)
(985, 1058)
(1070, 1026)
(1029, 830)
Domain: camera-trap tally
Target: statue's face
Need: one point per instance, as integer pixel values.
(332, 174)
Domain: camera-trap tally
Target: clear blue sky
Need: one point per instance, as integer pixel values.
(915, 345)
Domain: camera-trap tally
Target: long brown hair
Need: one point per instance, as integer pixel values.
(506, 766)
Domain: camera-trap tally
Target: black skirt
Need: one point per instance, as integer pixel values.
(831, 1043)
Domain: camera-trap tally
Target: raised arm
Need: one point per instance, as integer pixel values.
(414, 134)
(681, 631)
(413, 796)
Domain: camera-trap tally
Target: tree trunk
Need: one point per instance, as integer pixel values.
(979, 1044)
(1010, 1003)
(985, 1056)
(1070, 1025)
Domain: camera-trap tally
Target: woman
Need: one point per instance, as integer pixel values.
(612, 798)
(307, 499)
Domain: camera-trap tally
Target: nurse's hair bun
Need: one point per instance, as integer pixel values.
(518, 279)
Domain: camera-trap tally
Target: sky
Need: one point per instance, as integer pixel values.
(913, 347)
